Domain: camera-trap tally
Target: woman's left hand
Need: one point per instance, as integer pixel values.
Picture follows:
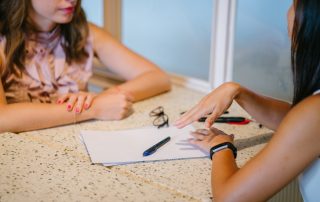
(77, 101)
(207, 138)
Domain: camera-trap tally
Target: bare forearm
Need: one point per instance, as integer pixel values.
(30, 116)
(265, 110)
(223, 167)
(147, 85)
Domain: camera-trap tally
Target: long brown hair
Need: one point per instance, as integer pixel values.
(14, 25)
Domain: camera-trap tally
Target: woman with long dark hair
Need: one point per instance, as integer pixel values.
(294, 149)
(46, 53)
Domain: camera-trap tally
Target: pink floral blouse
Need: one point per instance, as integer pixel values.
(47, 74)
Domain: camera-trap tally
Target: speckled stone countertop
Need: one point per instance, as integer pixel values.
(53, 165)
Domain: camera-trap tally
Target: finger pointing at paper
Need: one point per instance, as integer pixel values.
(218, 101)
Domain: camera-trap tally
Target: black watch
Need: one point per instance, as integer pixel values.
(225, 145)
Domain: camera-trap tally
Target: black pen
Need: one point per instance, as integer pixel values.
(225, 112)
(225, 119)
(230, 119)
(154, 148)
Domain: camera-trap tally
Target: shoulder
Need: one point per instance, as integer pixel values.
(94, 29)
(310, 106)
(307, 111)
(100, 37)
(99, 34)
(303, 122)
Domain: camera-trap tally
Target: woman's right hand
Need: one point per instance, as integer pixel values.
(215, 103)
(207, 138)
(111, 106)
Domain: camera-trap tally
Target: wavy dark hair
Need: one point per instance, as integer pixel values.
(305, 49)
(14, 25)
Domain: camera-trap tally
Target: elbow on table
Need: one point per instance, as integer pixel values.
(224, 198)
(234, 196)
(9, 127)
(222, 195)
(2, 130)
(2, 124)
(4, 120)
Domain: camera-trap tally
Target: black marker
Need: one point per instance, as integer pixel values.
(154, 148)
(224, 119)
(230, 119)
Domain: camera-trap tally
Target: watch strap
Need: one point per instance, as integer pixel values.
(222, 146)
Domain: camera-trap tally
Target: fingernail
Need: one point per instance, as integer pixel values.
(86, 106)
(77, 110)
(68, 106)
(58, 101)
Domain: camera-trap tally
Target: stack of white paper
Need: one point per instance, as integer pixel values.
(127, 146)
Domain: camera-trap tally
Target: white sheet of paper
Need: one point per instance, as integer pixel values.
(127, 146)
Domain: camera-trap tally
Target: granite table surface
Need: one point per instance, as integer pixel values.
(53, 165)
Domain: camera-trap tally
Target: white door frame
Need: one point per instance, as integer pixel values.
(113, 17)
(222, 41)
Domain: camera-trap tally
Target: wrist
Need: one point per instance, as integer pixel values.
(235, 89)
(118, 89)
(87, 114)
(92, 112)
(221, 147)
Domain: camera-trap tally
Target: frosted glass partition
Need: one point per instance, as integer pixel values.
(262, 47)
(174, 34)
